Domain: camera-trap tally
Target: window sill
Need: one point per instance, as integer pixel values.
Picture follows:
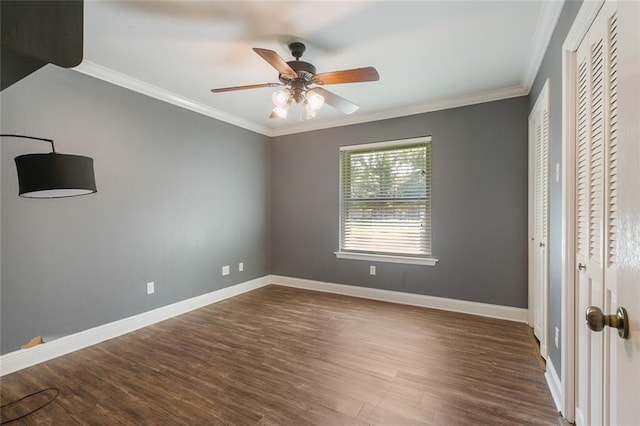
(386, 258)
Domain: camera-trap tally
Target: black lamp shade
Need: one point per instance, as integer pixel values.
(55, 175)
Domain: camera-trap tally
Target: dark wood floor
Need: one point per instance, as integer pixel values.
(279, 355)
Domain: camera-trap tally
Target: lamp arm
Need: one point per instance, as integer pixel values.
(53, 147)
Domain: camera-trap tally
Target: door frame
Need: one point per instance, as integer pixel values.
(569, 315)
(543, 97)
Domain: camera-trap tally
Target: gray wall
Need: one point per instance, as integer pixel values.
(179, 195)
(479, 204)
(551, 67)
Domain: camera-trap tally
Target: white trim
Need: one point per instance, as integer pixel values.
(407, 260)
(442, 104)
(475, 308)
(553, 381)
(543, 98)
(547, 21)
(398, 142)
(585, 17)
(530, 218)
(123, 80)
(567, 224)
(103, 73)
(24, 358)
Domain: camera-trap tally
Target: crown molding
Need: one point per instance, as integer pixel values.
(103, 73)
(477, 98)
(119, 79)
(547, 21)
(545, 26)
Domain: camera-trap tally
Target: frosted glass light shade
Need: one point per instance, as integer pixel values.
(314, 100)
(281, 97)
(280, 111)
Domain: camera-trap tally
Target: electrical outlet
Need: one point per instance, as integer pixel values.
(372, 270)
(225, 270)
(557, 172)
(151, 287)
(557, 337)
(240, 266)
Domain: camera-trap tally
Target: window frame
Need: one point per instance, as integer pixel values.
(426, 260)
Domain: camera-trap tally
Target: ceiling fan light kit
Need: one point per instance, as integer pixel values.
(302, 83)
(284, 97)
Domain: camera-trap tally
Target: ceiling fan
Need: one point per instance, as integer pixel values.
(303, 84)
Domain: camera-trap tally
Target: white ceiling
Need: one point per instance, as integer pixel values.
(430, 54)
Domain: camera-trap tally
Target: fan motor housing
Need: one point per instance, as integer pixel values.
(298, 66)
(305, 70)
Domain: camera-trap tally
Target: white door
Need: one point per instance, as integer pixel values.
(625, 354)
(591, 120)
(594, 138)
(539, 222)
(608, 215)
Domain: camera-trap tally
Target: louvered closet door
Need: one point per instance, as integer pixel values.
(596, 211)
(539, 121)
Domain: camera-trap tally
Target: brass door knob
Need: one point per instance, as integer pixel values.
(596, 320)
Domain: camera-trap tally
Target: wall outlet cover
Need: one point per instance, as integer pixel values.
(240, 266)
(225, 270)
(151, 287)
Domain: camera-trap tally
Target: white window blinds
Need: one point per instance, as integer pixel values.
(386, 198)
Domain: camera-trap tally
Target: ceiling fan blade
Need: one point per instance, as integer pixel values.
(276, 61)
(248, 86)
(355, 75)
(336, 101)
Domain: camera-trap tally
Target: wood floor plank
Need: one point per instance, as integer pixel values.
(279, 356)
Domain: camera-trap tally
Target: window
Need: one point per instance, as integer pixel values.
(385, 201)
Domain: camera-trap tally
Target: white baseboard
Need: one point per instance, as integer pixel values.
(463, 306)
(24, 358)
(553, 381)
